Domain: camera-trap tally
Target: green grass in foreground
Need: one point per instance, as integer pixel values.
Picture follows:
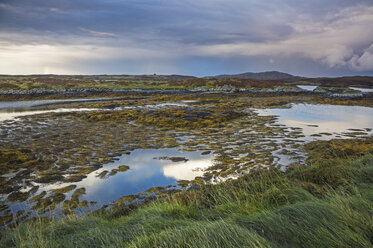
(327, 204)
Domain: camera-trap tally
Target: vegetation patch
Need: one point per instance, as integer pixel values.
(188, 118)
(13, 159)
(174, 159)
(338, 148)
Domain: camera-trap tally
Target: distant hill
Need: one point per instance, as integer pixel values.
(268, 75)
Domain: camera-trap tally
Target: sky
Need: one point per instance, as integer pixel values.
(190, 37)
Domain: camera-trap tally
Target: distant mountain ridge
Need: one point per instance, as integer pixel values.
(268, 75)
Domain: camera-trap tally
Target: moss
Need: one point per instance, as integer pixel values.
(13, 159)
(125, 199)
(38, 197)
(113, 172)
(33, 190)
(64, 189)
(3, 207)
(174, 159)
(123, 168)
(18, 196)
(72, 204)
(286, 152)
(83, 204)
(337, 148)
(103, 174)
(6, 218)
(153, 190)
(74, 178)
(124, 116)
(327, 134)
(187, 118)
(79, 192)
(57, 198)
(49, 178)
(6, 188)
(43, 204)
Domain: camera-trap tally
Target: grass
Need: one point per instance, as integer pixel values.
(124, 82)
(326, 204)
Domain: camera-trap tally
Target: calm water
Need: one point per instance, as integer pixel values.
(362, 89)
(311, 88)
(307, 87)
(321, 122)
(13, 109)
(314, 119)
(12, 114)
(13, 105)
(146, 171)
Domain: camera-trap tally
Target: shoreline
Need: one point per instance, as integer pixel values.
(39, 94)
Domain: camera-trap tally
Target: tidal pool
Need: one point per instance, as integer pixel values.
(328, 120)
(10, 110)
(148, 168)
(10, 115)
(13, 109)
(320, 122)
(307, 87)
(362, 89)
(12, 105)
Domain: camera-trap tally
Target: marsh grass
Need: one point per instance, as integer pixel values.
(326, 204)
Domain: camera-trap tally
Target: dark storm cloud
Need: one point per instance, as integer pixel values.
(184, 31)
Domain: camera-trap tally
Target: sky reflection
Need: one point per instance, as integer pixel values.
(146, 171)
(328, 118)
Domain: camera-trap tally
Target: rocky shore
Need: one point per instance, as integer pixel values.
(218, 89)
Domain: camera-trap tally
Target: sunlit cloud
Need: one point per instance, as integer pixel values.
(65, 59)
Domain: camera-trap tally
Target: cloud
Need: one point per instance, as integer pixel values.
(72, 58)
(99, 34)
(363, 62)
(333, 42)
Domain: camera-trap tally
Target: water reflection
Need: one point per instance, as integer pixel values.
(362, 89)
(320, 122)
(10, 115)
(307, 87)
(146, 171)
(153, 106)
(33, 103)
(12, 110)
(186, 170)
(315, 119)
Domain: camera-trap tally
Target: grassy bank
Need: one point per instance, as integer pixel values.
(326, 204)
